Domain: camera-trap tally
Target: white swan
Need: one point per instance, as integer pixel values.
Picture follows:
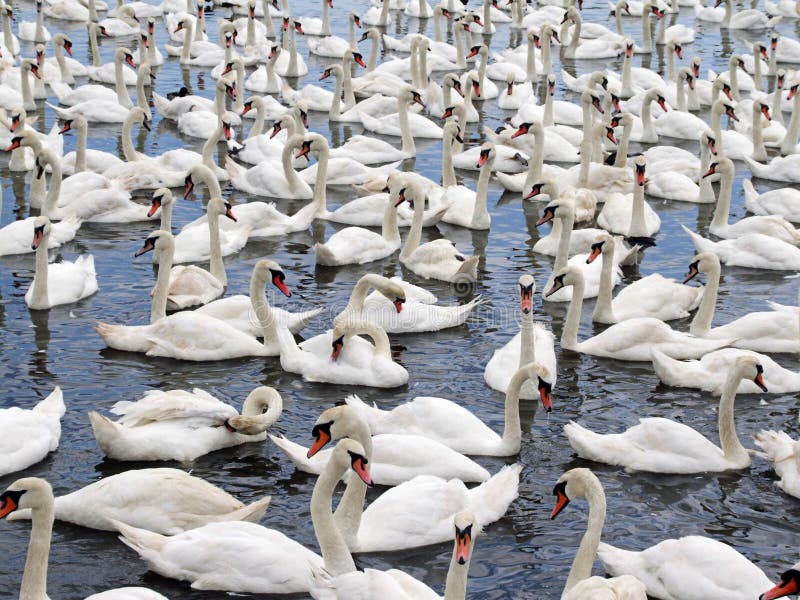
(418, 125)
(533, 343)
(782, 451)
(15, 238)
(630, 215)
(182, 425)
(767, 331)
(754, 250)
(438, 259)
(29, 435)
(191, 335)
(270, 179)
(341, 356)
(784, 202)
(659, 445)
(197, 244)
(36, 495)
(581, 585)
(83, 158)
(136, 497)
(456, 427)
(58, 283)
(249, 558)
(394, 457)
(629, 340)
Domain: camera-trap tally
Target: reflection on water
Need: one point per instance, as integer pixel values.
(525, 550)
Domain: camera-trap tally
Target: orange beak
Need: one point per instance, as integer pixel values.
(38, 235)
(337, 345)
(360, 61)
(278, 280)
(319, 443)
(9, 506)
(230, 215)
(398, 304)
(759, 381)
(361, 470)
(781, 590)
(526, 301)
(463, 543)
(561, 504)
(14, 145)
(544, 394)
(597, 250)
(130, 61)
(156, 204)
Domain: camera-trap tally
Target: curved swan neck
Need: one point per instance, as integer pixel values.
(732, 448)
(54, 193)
(360, 290)
(335, 552)
(25, 85)
(723, 208)
(208, 149)
(448, 172)
(415, 233)
(119, 83)
(373, 55)
(186, 54)
(512, 430)
(166, 216)
(262, 309)
(701, 324)
(258, 126)
(569, 335)
(587, 551)
(390, 231)
(127, 140)
(480, 212)
(603, 308)
(408, 147)
(621, 159)
(34, 578)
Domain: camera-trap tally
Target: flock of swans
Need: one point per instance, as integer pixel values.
(585, 163)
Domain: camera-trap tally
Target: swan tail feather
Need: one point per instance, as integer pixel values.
(324, 255)
(491, 499)
(60, 89)
(750, 193)
(53, 404)
(701, 244)
(296, 453)
(122, 337)
(59, 111)
(371, 414)
(253, 512)
(667, 368)
(162, 104)
(776, 445)
(617, 561)
(300, 321)
(105, 431)
(146, 544)
(470, 267)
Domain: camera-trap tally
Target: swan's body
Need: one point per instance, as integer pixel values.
(28, 436)
(782, 451)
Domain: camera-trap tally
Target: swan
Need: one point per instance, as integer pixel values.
(784, 202)
(181, 104)
(83, 158)
(630, 340)
(392, 124)
(150, 54)
(652, 296)
(643, 127)
(534, 338)
(786, 8)
(593, 48)
(58, 283)
(289, 63)
(537, 170)
(182, 425)
(340, 356)
(264, 79)
(789, 143)
(258, 147)
(780, 168)
(562, 210)
(256, 219)
(114, 71)
(467, 208)
(36, 495)
(708, 569)
(11, 98)
(68, 67)
(29, 435)
(768, 331)
(178, 335)
(394, 457)
(781, 451)
(630, 215)
(419, 313)
(658, 445)
(332, 46)
(753, 250)
(451, 424)
(193, 52)
(137, 496)
(378, 15)
(15, 238)
(356, 245)
(339, 170)
(422, 508)
(398, 584)
(249, 558)
(743, 19)
(268, 179)
(10, 42)
(34, 31)
(198, 124)
(581, 585)
(124, 23)
(438, 259)
(709, 372)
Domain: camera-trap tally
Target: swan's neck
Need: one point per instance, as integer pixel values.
(141, 97)
(681, 94)
(569, 335)
(390, 231)
(54, 193)
(39, 33)
(547, 61)
(355, 305)
(238, 104)
(692, 101)
(448, 172)
(258, 126)
(373, 56)
(25, 84)
(455, 587)
(351, 505)
(127, 141)
(647, 120)
(728, 13)
(547, 119)
(627, 83)
(586, 107)
(461, 61)
(480, 213)
(251, 30)
(201, 25)
(320, 198)
(733, 77)
(789, 143)
(158, 307)
(535, 168)
(647, 33)
(777, 113)
(326, 18)
(487, 16)
(618, 22)
(722, 210)
(701, 324)
(351, 28)
(252, 408)
(621, 160)
(93, 11)
(7, 35)
(757, 79)
(186, 54)
(562, 252)
(119, 84)
(66, 75)
(706, 191)
(262, 310)
(335, 552)
(80, 150)
(759, 151)
(415, 233)
(151, 47)
(291, 70)
(437, 27)
(267, 19)
(208, 151)
(662, 27)
(638, 227)
(587, 551)
(732, 448)
(216, 267)
(166, 217)
(40, 289)
(34, 578)
(576, 35)
(409, 146)
(671, 75)
(603, 310)
(716, 126)
(586, 150)
(527, 350)
(94, 48)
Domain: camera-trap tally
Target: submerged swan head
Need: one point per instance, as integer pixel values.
(260, 400)
(337, 423)
(575, 483)
(29, 492)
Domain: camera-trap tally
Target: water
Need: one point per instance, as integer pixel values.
(524, 555)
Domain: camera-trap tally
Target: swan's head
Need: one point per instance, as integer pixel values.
(151, 25)
(696, 60)
(300, 111)
(252, 101)
(794, 89)
(358, 58)
(332, 71)
(268, 270)
(675, 46)
(709, 139)
(451, 131)
(260, 400)
(63, 40)
(527, 286)
(656, 95)
(780, 78)
(30, 65)
(337, 343)
(737, 61)
(452, 80)
(761, 49)
(26, 137)
(544, 382)
(466, 530)
(29, 492)
(17, 117)
(372, 34)
(160, 241)
(685, 74)
(139, 115)
(602, 243)
(640, 167)
(127, 12)
(789, 585)
(763, 108)
(567, 276)
(749, 367)
(557, 209)
(41, 231)
(575, 483)
(228, 87)
(590, 98)
(392, 291)
(161, 197)
(486, 156)
(123, 54)
(286, 122)
(339, 422)
(220, 207)
(350, 454)
(225, 123)
(312, 143)
(702, 263)
(198, 171)
(723, 165)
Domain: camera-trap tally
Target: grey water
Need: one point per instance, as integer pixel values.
(525, 554)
